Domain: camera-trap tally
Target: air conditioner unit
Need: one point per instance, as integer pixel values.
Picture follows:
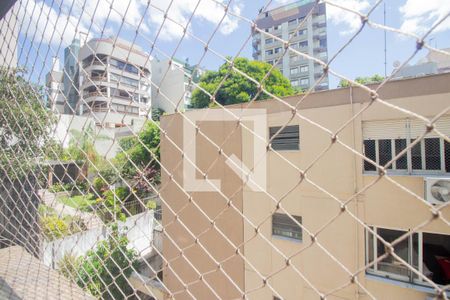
(437, 190)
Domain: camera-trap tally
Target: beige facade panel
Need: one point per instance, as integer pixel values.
(335, 174)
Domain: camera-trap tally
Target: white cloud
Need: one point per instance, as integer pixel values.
(82, 15)
(180, 12)
(349, 20)
(46, 24)
(419, 15)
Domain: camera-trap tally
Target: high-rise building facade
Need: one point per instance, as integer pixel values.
(306, 34)
(114, 81)
(71, 78)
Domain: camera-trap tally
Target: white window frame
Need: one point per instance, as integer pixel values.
(293, 71)
(268, 41)
(304, 69)
(294, 82)
(302, 80)
(409, 170)
(374, 269)
(277, 50)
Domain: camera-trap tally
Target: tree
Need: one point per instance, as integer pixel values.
(140, 151)
(104, 270)
(157, 113)
(362, 80)
(237, 88)
(25, 124)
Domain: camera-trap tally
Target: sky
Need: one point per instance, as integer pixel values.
(48, 26)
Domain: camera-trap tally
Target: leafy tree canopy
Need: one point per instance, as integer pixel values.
(139, 151)
(236, 87)
(25, 124)
(362, 80)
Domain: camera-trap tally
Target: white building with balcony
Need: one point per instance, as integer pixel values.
(115, 82)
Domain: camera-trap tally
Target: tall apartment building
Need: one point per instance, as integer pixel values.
(310, 38)
(56, 100)
(173, 80)
(71, 77)
(194, 245)
(115, 81)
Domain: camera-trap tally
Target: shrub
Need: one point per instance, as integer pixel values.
(68, 266)
(104, 271)
(53, 227)
(151, 204)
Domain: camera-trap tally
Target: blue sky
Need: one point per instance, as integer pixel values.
(363, 57)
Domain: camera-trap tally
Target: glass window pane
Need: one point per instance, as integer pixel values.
(436, 257)
(416, 156)
(369, 152)
(402, 162)
(391, 264)
(283, 225)
(385, 152)
(433, 154)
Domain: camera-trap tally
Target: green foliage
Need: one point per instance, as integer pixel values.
(61, 187)
(25, 124)
(113, 200)
(157, 113)
(104, 270)
(237, 88)
(55, 227)
(151, 204)
(362, 80)
(82, 202)
(69, 266)
(138, 154)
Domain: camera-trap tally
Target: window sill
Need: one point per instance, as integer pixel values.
(374, 173)
(285, 238)
(408, 285)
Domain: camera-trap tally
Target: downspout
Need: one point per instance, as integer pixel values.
(355, 182)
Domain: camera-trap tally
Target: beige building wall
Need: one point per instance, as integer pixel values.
(335, 174)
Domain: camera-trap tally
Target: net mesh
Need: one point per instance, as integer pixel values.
(121, 191)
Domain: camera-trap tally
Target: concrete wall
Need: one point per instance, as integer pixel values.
(338, 172)
(138, 228)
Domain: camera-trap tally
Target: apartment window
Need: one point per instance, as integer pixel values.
(293, 45)
(292, 22)
(294, 82)
(292, 35)
(295, 58)
(270, 62)
(294, 71)
(267, 14)
(428, 253)
(286, 139)
(385, 140)
(278, 50)
(269, 41)
(304, 81)
(303, 44)
(430, 155)
(303, 69)
(302, 31)
(284, 226)
(266, 30)
(275, 27)
(269, 52)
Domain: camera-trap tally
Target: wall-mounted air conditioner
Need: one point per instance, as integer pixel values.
(437, 190)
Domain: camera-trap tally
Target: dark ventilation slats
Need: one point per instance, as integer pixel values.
(286, 139)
